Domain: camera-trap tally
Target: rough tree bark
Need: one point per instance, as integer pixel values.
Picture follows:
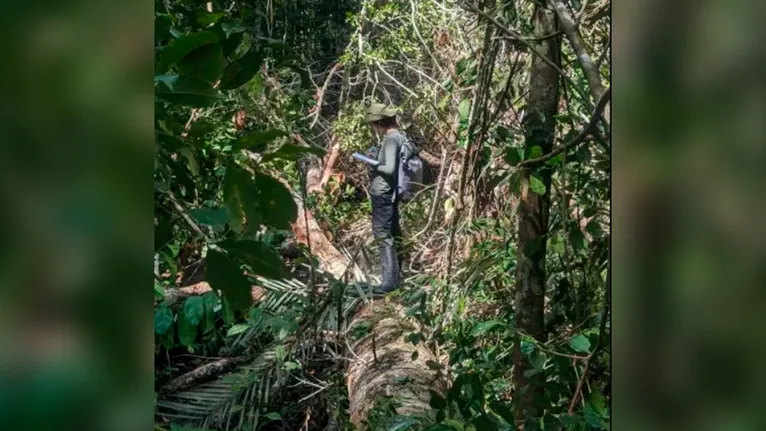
(539, 128)
(383, 365)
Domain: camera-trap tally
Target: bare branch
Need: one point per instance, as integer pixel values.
(589, 67)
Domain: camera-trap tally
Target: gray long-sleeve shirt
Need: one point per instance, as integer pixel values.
(384, 175)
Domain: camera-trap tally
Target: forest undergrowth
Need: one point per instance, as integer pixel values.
(263, 243)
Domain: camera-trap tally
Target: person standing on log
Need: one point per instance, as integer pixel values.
(383, 191)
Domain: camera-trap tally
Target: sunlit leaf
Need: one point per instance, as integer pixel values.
(488, 326)
(580, 343)
(536, 184)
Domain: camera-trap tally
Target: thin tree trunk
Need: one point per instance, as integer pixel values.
(539, 127)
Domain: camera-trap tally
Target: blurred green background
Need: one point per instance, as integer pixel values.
(688, 112)
(689, 250)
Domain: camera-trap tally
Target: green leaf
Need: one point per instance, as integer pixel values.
(237, 329)
(401, 423)
(589, 212)
(437, 401)
(227, 311)
(513, 155)
(189, 156)
(187, 332)
(536, 184)
(159, 291)
(556, 244)
(163, 319)
(264, 260)
(292, 152)
(257, 141)
(226, 276)
(484, 423)
(206, 19)
(179, 48)
(528, 345)
(483, 327)
(215, 217)
(464, 109)
(415, 355)
(594, 228)
(504, 411)
(188, 92)
(232, 26)
(210, 300)
(275, 202)
(169, 339)
(577, 239)
(232, 195)
(273, 416)
(535, 152)
(204, 63)
(167, 80)
(239, 72)
(194, 309)
(580, 343)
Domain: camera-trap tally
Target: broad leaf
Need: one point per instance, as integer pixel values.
(210, 300)
(483, 327)
(188, 92)
(167, 80)
(594, 228)
(257, 141)
(536, 185)
(232, 197)
(215, 217)
(264, 260)
(580, 343)
(292, 152)
(194, 309)
(225, 275)
(204, 63)
(187, 332)
(181, 47)
(276, 202)
(239, 72)
(513, 155)
(232, 26)
(206, 19)
(237, 329)
(437, 401)
(163, 319)
(577, 239)
(535, 152)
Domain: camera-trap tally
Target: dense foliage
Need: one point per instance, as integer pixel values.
(252, 98)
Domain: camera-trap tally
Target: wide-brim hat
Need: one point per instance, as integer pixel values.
(378, 111)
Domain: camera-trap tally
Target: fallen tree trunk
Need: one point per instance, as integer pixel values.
(202, 374)
(386, 365)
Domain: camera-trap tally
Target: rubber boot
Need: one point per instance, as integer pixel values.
(389, 265)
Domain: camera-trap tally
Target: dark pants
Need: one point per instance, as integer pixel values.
(387, 232)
